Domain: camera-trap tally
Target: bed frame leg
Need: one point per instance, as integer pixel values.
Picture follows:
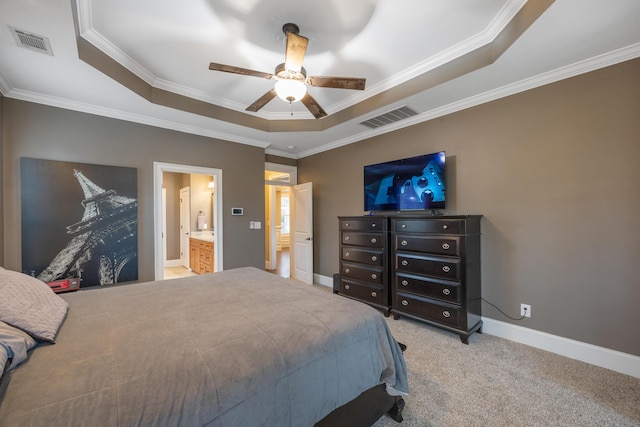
(396, 410)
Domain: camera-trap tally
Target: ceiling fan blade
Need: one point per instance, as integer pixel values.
(237, 70)
(296, 49)
(313, 106)
(337, 82)
(262, 101)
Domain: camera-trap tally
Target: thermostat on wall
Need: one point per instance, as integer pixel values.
(237, 211)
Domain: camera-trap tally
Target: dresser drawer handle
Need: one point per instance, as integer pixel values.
(346, 237)
(405, 302)
(374, 258)
(373, 294)
(347, 225)
(404, 243)
(405, 262)
(374, 225)
(446, 269)
(446, 291)
(445, 246)
(347, 254)
(346, 287)
(446, 314)
(445, 226)
(374, 240)
(346, 270)
(405, 283)
(374, 276)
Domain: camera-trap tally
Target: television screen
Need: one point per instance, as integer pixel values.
(406, 184)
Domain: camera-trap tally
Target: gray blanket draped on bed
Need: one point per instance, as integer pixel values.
(236, 348)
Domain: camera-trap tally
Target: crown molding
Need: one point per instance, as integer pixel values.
(572, 70)
(281, 153)
(483, 38)
(5, 86)
(562, 73)
(129, 117)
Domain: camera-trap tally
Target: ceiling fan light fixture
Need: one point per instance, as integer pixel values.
(290, 90)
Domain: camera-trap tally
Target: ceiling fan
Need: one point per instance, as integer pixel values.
(291, 77)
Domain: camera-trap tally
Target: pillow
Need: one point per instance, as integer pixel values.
(16, 342)
(29, 304)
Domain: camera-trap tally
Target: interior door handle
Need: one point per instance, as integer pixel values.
(308, 238)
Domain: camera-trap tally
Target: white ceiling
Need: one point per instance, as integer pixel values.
(169, 45)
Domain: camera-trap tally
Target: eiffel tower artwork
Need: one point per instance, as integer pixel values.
(89, 231)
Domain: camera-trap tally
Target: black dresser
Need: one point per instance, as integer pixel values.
(436, 271)
(364, 260)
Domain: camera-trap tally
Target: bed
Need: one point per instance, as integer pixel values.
(241, 347)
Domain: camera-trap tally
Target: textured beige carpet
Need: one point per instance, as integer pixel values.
(496, 382)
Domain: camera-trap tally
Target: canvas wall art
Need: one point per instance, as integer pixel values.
(79, 220)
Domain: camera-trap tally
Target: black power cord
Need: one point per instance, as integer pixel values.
(496, 307)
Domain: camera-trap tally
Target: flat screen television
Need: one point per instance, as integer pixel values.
(414, 183)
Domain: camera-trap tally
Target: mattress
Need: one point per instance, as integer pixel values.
(241, 347)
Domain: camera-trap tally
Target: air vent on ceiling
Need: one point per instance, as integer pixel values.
(389, 117)
(31, 41)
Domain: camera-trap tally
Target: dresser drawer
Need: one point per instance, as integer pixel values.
(448, 269)
(364, 256)
(371, 240)
(206, 257)
(362, 272)
(445, 291)
(207, 246)
(427, 309)
(434, 245)
(363, 224)
(439, 226)
(372, 294)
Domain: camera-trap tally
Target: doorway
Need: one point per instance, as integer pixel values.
(278, 182)
(289, 230)
(215, 225)
(278, 230)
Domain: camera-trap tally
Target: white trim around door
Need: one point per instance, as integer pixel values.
(158, 169)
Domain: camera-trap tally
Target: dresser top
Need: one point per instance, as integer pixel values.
(412, 216)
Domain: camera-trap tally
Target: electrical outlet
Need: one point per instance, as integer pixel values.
(525, 310)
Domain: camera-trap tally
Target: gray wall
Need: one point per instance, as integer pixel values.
(555, 173)
(32, 130)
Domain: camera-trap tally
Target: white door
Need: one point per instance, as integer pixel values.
(185, 228)
(302, 230)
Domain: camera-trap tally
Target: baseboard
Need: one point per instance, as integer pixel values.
(172, 263)
(618, 361)
(611, 359)
(319, 279)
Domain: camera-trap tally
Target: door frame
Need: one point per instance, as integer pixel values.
(164, 228)
(159, 214)
(185, 256)
(271, 263)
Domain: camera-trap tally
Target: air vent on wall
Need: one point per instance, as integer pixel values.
(31, 41)
(389, 117)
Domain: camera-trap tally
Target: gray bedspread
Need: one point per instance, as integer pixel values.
(237, 348)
